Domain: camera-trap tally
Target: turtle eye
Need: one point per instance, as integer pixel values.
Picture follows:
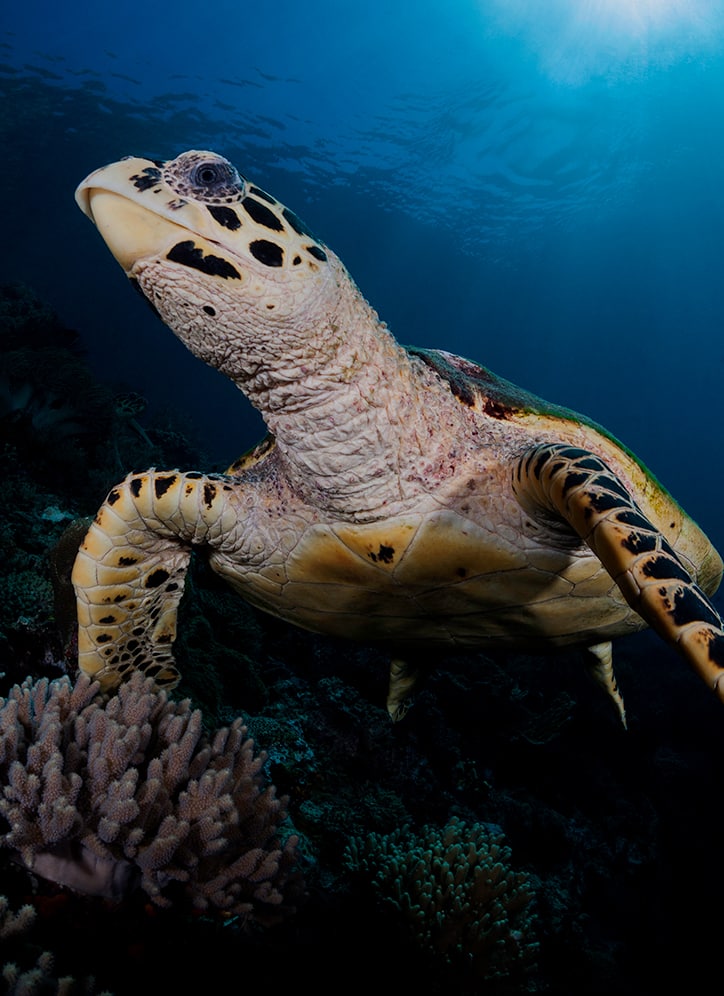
(204, 177)
(214, 178)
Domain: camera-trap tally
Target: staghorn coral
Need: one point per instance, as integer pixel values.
(457, 893)
(104, 796)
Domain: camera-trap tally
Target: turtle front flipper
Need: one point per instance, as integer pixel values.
(130, 571)
(577, 486)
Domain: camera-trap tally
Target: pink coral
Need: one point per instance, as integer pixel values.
(104, 795)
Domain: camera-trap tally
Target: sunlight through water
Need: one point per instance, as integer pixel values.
(577, 40)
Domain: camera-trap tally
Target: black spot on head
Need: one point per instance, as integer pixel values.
(317, 253)
(268, 253)
(127, 561)
(262, 215)
(104, 638)
(297, 224)
(156, 578)
(113, 497)
(107, 620)
(190, 255)
(194, 475)
(209, 310)
(149, 177)
(225, 216)
(257, 192)
(136, 486)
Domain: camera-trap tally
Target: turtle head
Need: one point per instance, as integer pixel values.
(229, 269)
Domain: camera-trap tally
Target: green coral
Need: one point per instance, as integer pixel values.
(25, 595)
(457, 893)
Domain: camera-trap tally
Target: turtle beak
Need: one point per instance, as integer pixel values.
(118, 176)
(82, 199)
(131, 230)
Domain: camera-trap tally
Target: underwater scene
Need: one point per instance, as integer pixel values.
(305, 630)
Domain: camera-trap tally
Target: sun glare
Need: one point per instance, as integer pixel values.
(576, 40)
(652, 19)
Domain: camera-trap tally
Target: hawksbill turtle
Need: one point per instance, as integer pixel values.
(403, 496)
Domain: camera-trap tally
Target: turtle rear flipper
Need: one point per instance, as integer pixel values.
(131, 567)
(579, 487)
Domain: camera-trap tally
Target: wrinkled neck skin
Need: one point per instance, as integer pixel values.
(343, 399)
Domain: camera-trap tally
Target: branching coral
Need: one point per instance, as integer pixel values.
(457, 892)
(106, 795)
(31, 970)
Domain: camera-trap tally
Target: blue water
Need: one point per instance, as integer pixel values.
(534, 185)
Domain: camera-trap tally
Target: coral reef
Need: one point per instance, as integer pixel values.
(456, 890)
(104, 796)
(31, 970)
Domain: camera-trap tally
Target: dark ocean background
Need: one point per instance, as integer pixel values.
(534, 185)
